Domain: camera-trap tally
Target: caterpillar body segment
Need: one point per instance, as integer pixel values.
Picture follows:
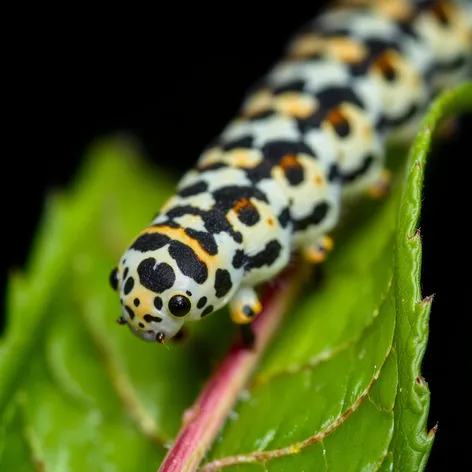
(309, 135)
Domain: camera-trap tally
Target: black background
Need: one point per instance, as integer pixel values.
(173, 78)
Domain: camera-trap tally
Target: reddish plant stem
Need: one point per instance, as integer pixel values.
(206, 417)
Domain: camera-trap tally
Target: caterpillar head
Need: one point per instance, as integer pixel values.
(164, 282)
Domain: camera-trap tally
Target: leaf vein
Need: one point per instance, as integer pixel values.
(264, 456)
(122, 384)
(320, 358)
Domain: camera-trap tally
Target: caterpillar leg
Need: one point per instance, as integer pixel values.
(180, 336)
(245, 305)
(381, 188)
(248, 337)
(317, 252)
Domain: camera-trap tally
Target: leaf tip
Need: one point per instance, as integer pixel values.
(422, 387)
(420, 380)
(428, 300)
(416, 236)
(432, 432)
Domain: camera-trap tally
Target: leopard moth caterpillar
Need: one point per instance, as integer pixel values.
(310, 135)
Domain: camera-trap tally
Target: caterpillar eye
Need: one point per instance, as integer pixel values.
(120, 320)
(161, 338)
(113, 279)
(179, 305)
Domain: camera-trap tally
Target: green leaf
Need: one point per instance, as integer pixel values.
(339, 388)
(410, 439)
(91, 393)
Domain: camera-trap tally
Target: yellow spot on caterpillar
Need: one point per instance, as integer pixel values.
(346, 49)
(179, 234)
(340, 47)
(145, 306)
(317, 253)
(399, 10)
(240, 317)
(295, 104)
(257, 103)
(240, 157)
(210, 157)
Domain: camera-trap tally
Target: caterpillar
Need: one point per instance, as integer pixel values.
(310, 136)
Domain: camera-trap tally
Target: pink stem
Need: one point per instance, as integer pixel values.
(206, 417)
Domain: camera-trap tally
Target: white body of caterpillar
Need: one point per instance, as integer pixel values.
(310, 134)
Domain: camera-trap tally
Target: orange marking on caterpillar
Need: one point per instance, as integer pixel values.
(179, 234)
(242, 204)
(289, 161)
(385, 64)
